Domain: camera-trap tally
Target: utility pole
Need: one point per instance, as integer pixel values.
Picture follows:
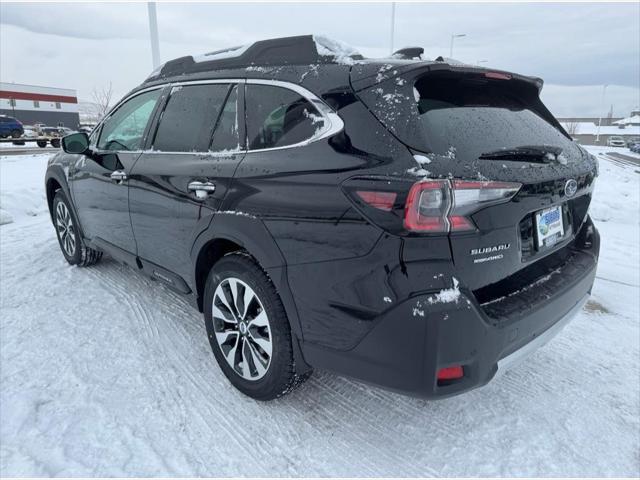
(153, 34)
(604, 90)
(454, 36)
(393, 26)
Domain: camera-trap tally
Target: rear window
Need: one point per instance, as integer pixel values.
(278, 117)
(464, 114)
(190, 117)
(476, 117)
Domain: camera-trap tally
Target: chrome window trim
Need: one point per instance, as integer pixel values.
(333, 122)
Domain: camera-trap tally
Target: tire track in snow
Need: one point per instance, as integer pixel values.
(537, 419)
(136, 304)
(156, 337)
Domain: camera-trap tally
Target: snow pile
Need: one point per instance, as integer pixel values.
(256, 68)
(27, 198)
(341, 52)
(552, 157)
(314, 118)
(418, 172)
(448, 295)
(421, 159)
(393, 97)
(383, 70)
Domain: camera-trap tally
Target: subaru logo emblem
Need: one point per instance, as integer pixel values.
(570, 188)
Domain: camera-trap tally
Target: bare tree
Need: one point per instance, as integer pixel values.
(571, 128)
(102, 100)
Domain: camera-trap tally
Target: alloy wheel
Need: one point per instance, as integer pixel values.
(242, 328)
(66, 230)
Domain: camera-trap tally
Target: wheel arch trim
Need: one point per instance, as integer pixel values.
(56, 173)
(251, 235)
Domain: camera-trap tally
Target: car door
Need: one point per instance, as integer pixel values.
(179, 183)
(99, 179)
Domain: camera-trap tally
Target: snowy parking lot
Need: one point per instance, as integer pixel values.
(104, 372)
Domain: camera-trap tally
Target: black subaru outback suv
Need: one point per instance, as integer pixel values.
(419, 225)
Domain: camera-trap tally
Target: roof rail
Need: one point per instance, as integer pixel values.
(298, 50)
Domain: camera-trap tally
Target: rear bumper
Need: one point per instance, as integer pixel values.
(416, 338)
(515, 358)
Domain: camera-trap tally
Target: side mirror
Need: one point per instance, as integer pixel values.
(76, 143)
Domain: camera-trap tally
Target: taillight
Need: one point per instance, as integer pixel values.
(436, 206)
(427, 206)
(381, 200)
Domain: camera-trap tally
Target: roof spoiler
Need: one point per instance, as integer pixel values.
(409, 53)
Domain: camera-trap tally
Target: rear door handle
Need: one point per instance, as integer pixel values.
(118, 176)
(202, 189)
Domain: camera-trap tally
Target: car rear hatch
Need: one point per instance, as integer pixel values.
(519, 188)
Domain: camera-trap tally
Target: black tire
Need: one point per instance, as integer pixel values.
(71, 244)
(280, 377)
(3, 135)
(16, 134)
(55, 142)
(41, 143)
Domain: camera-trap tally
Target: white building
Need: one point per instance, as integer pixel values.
(32, 104)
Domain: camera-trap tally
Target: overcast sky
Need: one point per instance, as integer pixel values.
(575, 48)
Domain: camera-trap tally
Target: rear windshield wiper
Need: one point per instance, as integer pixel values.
(530, 153)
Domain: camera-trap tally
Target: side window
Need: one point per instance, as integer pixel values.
(277, 117)
(124, 129)
(189, 118)
(225, 136)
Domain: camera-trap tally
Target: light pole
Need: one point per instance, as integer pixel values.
(153, 34)
(393, 25)
(454, 36)
(604, 90)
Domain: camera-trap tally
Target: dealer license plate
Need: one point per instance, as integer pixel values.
(549, 226)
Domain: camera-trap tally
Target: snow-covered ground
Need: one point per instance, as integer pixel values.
(104, 372)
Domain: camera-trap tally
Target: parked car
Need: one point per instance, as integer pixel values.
(616, 141)
(86, 128)
(10, 127)
(30, 132)
(38, 127)
(65, 131)
(370, 217)
(50, 132)
(631, 141)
